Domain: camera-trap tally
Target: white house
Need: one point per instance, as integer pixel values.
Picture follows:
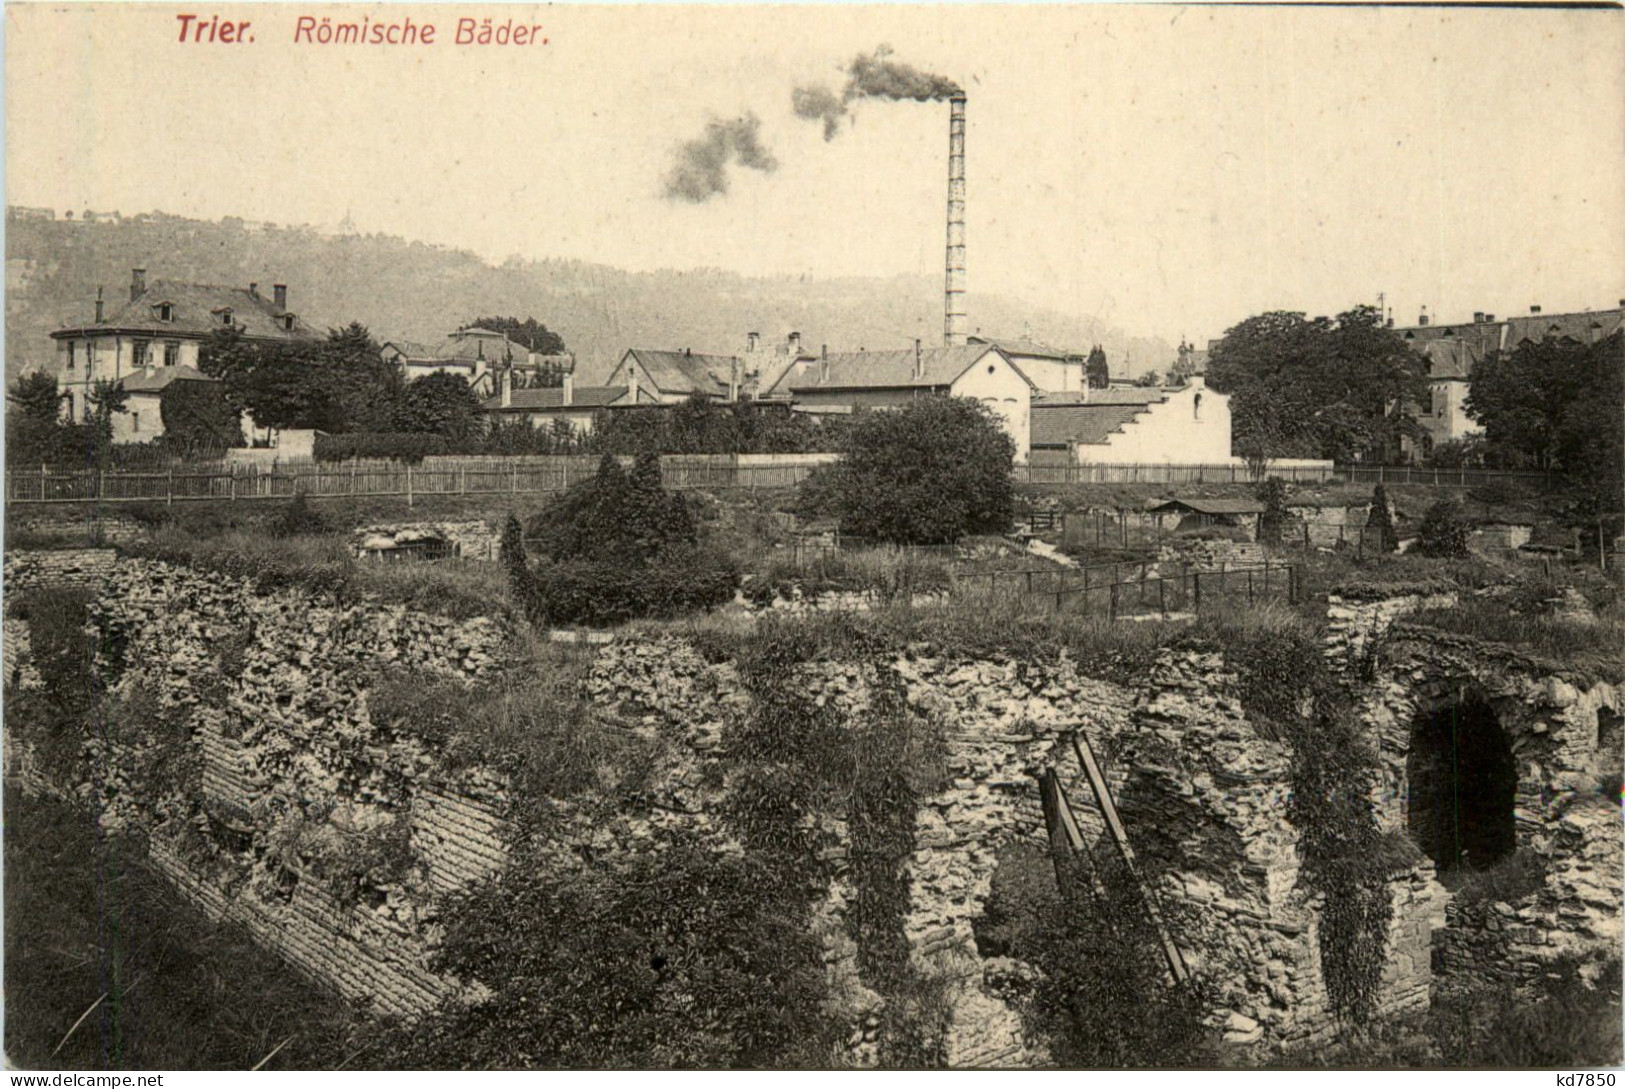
(476, 354)
(154, 339)
(1052, 370)
(889, 379)
(544, 406)
(1189, 425)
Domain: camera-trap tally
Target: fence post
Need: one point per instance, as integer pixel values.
(409, 485)
(169, 489)
(1113, 607)
(1196, 578)
(232, 477)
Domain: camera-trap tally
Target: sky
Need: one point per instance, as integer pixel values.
(1171, 170)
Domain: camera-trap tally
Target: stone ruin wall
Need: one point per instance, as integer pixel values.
(77, 568)
(1563, 729)
(1203, 796)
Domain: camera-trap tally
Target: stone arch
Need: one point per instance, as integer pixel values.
(1461, 784)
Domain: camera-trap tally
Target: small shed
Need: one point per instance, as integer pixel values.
(1194, 513)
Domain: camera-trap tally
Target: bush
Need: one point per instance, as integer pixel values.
(1444, 530)
(602, 593)
(670, 959)
(614, 515)
(1272, 522)
(299, 519)
(929, 473)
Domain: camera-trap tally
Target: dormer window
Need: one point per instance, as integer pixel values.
(225, 315)
(287, 322)
(166, 311)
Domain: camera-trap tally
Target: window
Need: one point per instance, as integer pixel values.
(135, 422)
(166, 311)
(225, 316)
(72, 349)
(287, 322)
(172, 353)
(138, 353)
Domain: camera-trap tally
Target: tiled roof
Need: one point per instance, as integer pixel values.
(688, 372)
(1586, 328)
(1025, 346)
(1451, 358)
(1210, 506)
(531, 400)
(893, 369)
(1067, 424)
(1122, 395)
(196, 311)
(159, 379)
(466, 346)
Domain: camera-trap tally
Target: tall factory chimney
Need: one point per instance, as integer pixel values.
(956, 327)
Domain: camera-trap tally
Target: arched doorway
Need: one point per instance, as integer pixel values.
(1463, 784)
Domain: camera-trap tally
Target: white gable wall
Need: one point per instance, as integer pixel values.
(994, 382)
(1192, 427)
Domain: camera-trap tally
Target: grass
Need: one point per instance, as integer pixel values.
(1507, 880)
(86, 917)
(322, 562)
(1597, 648)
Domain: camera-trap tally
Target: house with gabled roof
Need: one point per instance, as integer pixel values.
(546, 406)
(890, 379)
(1053, 370)
(477, 355)
(659, 377)
(1189, 425)
(154, 338)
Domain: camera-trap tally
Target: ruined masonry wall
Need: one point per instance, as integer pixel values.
(1353, 625)
(57, 568)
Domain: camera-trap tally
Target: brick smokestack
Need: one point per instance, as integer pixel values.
(956, 326)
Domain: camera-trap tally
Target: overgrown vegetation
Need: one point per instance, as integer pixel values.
(616, 547)
(87, 920)
(1444, 531)
(929, 473)
(1102, 997)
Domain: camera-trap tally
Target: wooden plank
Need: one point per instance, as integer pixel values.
(1119, 834)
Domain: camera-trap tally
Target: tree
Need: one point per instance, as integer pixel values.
(1149, 379)
(1522, 396)
(37, 398)
(1341, 389)
(531, 333)
(439, 404)
(928, 473)
(199, 416)
(337, 385)
(1381, 521)
(1095, 369)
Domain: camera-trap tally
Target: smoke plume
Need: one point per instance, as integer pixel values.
(870, 75)
(818, 103)
(700, 169)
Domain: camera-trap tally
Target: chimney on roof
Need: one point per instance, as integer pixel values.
(1478, 317)
(1535, 308)
(279, 295)
(1389, 324)
(823, 369)
(753, 342)
(569, 387)
(733, 379)
(1422, 318)
(506, 384)
(138, 283)
(795, 345)
(98, 306)
(254, 288)
(919, 360)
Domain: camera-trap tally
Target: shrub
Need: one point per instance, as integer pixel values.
(673, 958)
(615, 515)
(925, 474)
(603, 593)
(1508, 880)
(1272, 522)
(299, 519)
(1444, 530)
